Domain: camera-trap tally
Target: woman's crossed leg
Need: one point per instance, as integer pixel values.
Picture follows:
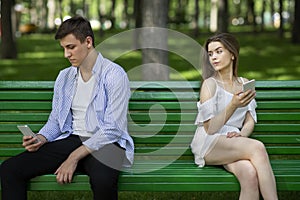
(230, 150)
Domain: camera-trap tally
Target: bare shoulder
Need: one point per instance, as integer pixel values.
(208, 89)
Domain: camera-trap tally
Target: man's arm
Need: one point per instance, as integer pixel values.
(64, 173)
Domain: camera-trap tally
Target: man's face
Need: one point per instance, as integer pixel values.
(74, 50)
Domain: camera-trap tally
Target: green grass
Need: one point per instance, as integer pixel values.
(262, 56)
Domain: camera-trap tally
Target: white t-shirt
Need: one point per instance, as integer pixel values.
(80, 103)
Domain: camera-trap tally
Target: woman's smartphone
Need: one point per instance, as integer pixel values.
(249, 85)
(27, 131)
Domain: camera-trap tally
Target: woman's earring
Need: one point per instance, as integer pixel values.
(232, 58)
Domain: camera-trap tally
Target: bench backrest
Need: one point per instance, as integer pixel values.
(161, 116)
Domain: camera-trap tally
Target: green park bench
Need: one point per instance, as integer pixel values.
(161, 122)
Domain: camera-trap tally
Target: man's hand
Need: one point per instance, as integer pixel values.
(30, 144)
(64, 173)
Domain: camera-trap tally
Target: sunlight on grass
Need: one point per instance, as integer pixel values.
(38, 55)
(246, 50)
(252, 75)
(269, 51)
(296, 59)
(192, 74)
(9, 71)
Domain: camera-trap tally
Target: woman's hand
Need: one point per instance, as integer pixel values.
(233, 134)
(33, 143)
(242, 99)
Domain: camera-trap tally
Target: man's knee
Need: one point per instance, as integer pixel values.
(104, 180)
(104, 186)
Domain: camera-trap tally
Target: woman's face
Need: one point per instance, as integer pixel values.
(219, 57)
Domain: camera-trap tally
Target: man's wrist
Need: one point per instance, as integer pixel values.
(42, 138)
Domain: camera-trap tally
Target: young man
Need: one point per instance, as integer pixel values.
(87, 128)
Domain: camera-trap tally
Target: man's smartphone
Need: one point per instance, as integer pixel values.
(249, 85)
(27, 131)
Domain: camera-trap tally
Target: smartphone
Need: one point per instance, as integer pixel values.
(27, 131)
(249, 85)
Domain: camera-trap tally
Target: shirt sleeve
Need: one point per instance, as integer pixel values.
(53, 128)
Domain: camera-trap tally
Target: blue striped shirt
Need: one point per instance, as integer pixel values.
(106, 115)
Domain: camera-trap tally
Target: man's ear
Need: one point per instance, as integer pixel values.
(89, 41)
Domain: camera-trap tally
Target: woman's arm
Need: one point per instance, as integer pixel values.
(248, 125)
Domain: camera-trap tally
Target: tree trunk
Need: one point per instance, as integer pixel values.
(8, 44)
(281, 30)
(223, 16)
(138, 13)
(213, 25)
(263, 10)
(296, 25)
(126, 16)
(51, 14)
(60, 10)
(196, 17)
(112, 15)
(155, 58)
(101, 17)
(251, 14)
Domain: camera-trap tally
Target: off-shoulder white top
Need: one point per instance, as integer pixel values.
(202, 142)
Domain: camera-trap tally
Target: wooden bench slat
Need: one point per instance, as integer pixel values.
(26, 85)
(143, 117)
(160, 96)
(24, 117)
(190, 117)
(279, 105)
(165, 139)
(32, 95)
(19, 105)
(137, 84)
(266, 95)
(279, 94)
(41, 105)
(174, 128)
(171, 152)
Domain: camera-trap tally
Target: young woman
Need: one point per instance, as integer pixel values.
(226, 117)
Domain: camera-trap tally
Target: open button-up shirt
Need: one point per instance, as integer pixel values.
(106, 115)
